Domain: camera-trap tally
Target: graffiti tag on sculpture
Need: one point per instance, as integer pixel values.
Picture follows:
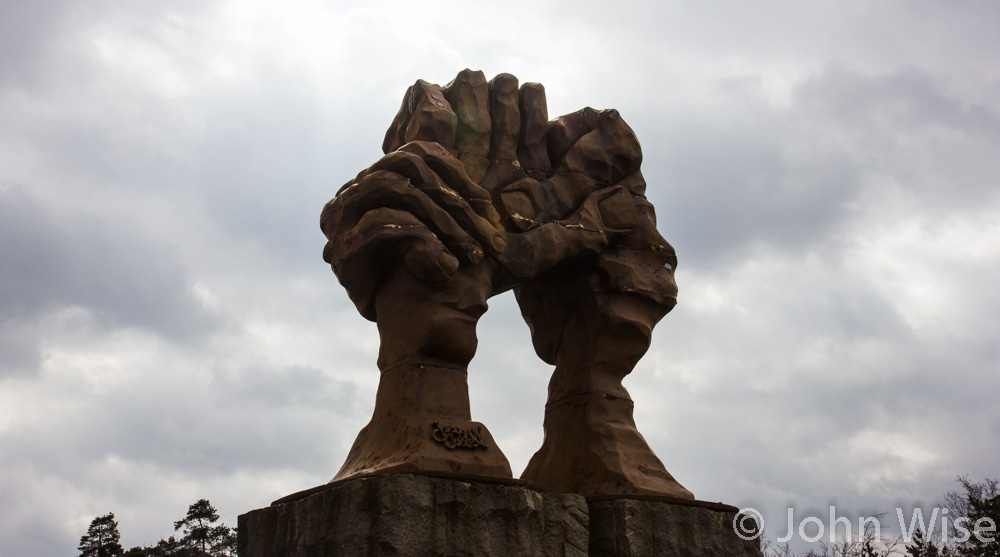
(455, 437)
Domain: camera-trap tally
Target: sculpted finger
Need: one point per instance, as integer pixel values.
(395, 135)
(383, 233)
(566, 130)
(635, 183)
(353, 181)
(424, 116)
(530, 203)
(505, 113)
(453, 173)
(469, 97)
(616, 208)
(642, 262)
(524, 203)
(449, 169)
(359, 253)
(419, 174)
(644, 235)
(531, 147)
(609, 152)
(387, 189)
(604, 216)
(426, 257)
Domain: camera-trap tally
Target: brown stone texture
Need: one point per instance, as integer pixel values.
(424, 116)
(643, 528)
(469, 95)
(531, 146)
(426, 427)
(479, 193)
(407, 515)
(505, 115)
(421, 516)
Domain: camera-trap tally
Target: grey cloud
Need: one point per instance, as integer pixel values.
(796, 435)
(285, 387)
(26, 31)
(508, 381)
(56, 258)
(754, 176)
(912, 127)
(42, 43)
(197, 425)
(20, 352)
(268, 176)
(723, 189)
(756, 395)
(906, 97)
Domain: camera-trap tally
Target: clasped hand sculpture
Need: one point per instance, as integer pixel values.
(479, 193)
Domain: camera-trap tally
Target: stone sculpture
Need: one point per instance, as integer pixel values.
(479, 193)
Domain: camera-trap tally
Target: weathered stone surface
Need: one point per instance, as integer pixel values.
(479, 194)
(643, 528)
(425, 115)
(407, 515)
(608, 153)
(531, 148)
(469, 96)
(415, 515)
(566, 130)
(506, 118)
(428, 417)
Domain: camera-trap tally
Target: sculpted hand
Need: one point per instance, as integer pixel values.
(416, 203)
(413, 239)
(585, 193)
(479, 193)
(549, 191)
(596, 278)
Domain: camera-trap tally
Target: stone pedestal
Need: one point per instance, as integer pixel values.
(665, 527)
(420, 516)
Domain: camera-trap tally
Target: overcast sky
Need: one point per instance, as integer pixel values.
(827, 172)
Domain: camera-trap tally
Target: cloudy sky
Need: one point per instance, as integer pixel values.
(827, 172)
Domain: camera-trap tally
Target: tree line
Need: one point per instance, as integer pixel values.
(201, 537)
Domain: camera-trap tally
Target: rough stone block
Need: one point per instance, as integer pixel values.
(657, 528)
(408, 515)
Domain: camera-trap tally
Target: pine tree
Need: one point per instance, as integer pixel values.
(223, 541)
(169, 547)
(921, 547)
(986, 543)
(198, 526)
(202, 537)
(102, 538)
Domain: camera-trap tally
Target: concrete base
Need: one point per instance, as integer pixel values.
(421, 516)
